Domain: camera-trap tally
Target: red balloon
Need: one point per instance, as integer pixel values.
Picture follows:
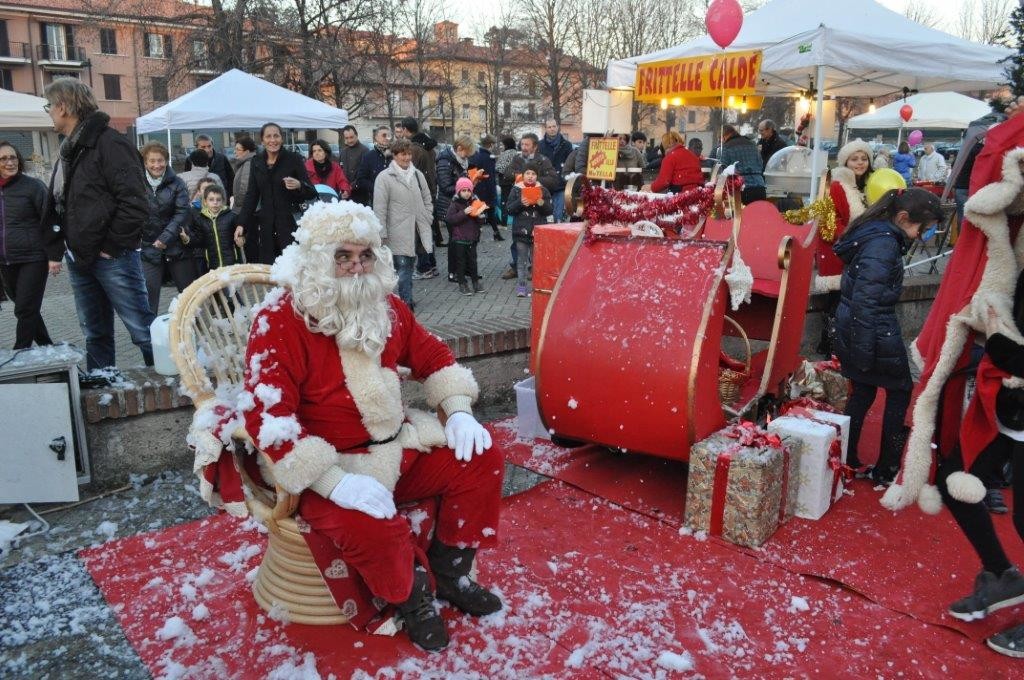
(906, 112)
(723, 21)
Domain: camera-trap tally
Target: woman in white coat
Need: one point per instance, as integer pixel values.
(402, 203)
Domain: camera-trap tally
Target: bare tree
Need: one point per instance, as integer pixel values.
(984, 21)
(505, 44)
(548, 28)
(418, 19)
(921, 12)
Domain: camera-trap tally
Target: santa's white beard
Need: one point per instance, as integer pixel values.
(353, 309)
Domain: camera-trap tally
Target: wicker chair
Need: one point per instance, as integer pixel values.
(209, 330)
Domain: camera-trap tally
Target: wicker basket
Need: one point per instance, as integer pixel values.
(730, 381)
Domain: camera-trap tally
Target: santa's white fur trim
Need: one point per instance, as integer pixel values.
(850, 148)
(300, 467)
(915, 355)
(930, 500)
(383, 462)
(450, 381)
(917, 461)
(340, 222)
(987, 210)
(854, 196)
(965, 487)
(427, 428)
(208, 448)
(825, 284)
(1001, 197)
(377, 392)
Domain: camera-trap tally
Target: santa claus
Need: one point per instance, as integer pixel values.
(323, 370)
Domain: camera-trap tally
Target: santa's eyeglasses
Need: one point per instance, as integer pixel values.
(345, 258)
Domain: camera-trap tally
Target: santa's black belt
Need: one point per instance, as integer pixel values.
(373, 442)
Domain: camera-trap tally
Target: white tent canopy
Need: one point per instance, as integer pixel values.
(866, 51)
(239, 100)
(23, 112)
(854, 48)
(932, 110)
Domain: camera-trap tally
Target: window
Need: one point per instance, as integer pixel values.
(506, 78)
(395, 99)
(108, 41)
(112, 87)
(159, 87)
(533, 111)
(203, 80)
(482, 113)
(481, 78)
(465, 76)
(691, 117)
(5, 47)
(57, 40)
(157, 46)
(6, 79)
(532, 85)
(465, 112)
(200, 54)
(507, 109)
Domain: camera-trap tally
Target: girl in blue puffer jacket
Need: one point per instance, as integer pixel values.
(869, 342)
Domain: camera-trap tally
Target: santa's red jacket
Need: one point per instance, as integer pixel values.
(317, 417)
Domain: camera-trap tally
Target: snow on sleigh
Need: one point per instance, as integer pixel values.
(629, 352)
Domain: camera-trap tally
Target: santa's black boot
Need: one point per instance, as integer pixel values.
(423, 622)
(451, 568)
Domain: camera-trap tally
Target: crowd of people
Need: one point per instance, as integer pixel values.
(122, 221)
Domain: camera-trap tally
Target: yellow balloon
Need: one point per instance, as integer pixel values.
(882, 181)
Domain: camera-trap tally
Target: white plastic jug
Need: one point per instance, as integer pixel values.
(160, 335)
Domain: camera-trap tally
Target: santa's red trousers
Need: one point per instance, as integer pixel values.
(382, 550)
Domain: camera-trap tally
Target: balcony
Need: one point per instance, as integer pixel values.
(61, 57)
(201, 66)
(15, 53)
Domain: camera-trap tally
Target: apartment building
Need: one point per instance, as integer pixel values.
(124, 49)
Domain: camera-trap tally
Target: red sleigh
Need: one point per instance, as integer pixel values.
(629, 345)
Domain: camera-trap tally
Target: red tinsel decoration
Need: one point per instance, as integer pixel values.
(607, 206)
(673, 213)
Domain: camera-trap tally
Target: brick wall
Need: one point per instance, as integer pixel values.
(146, 391)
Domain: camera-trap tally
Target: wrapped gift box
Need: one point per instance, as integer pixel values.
(822, 459)
(822, 381)
(552, 244)
(738, 485)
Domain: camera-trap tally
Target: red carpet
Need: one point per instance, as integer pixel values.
(909, 562)
(607, 601)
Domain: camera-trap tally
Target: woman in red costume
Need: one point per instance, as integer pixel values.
(847, 191)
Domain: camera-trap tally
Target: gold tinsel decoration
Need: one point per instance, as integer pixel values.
(822, 210)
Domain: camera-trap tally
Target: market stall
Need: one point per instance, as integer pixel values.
(840, 48)
(239, 100)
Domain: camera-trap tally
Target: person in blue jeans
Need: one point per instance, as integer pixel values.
(98, 204)
(105, 286)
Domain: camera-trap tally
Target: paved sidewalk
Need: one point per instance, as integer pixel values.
(439, 305)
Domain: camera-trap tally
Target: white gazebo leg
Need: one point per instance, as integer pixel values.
(816, 168)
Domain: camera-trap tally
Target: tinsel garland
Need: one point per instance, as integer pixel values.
(607, 206)
(822, 210)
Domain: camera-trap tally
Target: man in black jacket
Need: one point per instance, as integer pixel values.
(351, 153)
(556, 149)
(372, 164)
(97, 206)
(219, 164)
(769, 140)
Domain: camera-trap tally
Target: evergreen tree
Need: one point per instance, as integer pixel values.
(1015, 62)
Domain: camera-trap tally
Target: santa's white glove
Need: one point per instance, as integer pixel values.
(365, 494)
(466, 436)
